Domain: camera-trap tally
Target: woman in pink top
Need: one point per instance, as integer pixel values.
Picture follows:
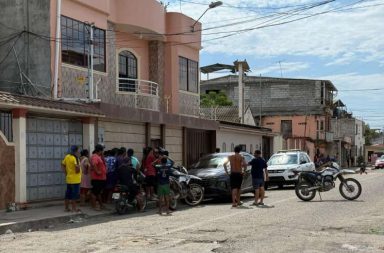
(85, 185)
(98, 177)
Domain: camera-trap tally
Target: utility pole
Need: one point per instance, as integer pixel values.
(241, 67)
(90, 77)
(261, 101)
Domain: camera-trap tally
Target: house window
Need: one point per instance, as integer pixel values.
(232, 147)
(127, 71)
(188, 75)
(74, 46)
(251, 149)
(224, 148)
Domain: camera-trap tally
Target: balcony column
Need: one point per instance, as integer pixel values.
(172, 77)
(156, 69)
(19, 125)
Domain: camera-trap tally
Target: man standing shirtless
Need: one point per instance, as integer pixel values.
(238, 168)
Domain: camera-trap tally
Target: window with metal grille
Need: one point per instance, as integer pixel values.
(74, 47)
(188, 75)
(6, 125)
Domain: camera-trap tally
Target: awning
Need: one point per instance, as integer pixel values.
(9, 100)
(217, 67)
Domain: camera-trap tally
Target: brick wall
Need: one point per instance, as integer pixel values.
(7, 173)
(279, 96)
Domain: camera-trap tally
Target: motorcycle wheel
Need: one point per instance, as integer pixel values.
(197, 193)
(302, 192)
(350, 189)
(172, 201)
(121, 206)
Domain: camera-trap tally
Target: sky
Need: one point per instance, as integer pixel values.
(342, 42)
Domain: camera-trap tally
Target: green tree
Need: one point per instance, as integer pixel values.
(370, 134)
(215, 99)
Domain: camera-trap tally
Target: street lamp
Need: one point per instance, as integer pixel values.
(211, 6)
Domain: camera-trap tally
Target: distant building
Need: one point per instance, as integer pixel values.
(299, 109)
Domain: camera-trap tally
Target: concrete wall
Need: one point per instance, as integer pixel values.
(33, 52)
(129, 135)
(279, 96)
(253, 141)
(174, 143)
(7, 172)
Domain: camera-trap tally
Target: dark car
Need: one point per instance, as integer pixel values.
(214, 180)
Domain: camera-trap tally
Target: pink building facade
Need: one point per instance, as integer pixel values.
(308, 133)
(146, 88)
(133, 39)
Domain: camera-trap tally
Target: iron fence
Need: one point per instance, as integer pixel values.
(6, 124)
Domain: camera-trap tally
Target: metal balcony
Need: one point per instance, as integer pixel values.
(145, 93)
(138, 86)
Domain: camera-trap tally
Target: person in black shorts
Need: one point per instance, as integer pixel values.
(125, 174)
(238, 168)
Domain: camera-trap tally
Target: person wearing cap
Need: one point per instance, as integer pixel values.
(126, 174)
(71, 167)
(98, 177)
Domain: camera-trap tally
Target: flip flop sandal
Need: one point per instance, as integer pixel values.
(261, 204)
(255, 204)
(234, 205)
(240, 204)
(67, 210)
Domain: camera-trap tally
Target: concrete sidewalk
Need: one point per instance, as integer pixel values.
(49, 214)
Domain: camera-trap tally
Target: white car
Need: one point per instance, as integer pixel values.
(282, 164)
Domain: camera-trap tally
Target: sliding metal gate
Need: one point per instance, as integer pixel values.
(48, 142)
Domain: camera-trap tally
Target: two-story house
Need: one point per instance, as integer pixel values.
(348, 134)
(299, 109)
(145, 88)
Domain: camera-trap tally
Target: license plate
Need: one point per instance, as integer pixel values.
(116, 195)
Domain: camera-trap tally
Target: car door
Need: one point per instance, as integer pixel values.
(247, 182)
(311, 165)
(303, 162)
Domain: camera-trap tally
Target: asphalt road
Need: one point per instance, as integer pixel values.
(286, 224)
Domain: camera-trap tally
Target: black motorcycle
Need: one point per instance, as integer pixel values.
(185, 187)
(310, 182)
(124, 200)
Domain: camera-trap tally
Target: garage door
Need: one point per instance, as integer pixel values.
(48, 142)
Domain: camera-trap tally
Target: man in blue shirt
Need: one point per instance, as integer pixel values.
(259, 167)
(163, 187)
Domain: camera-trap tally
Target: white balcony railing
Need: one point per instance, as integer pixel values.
(141, 89)
(138, 86)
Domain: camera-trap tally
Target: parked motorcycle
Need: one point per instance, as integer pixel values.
(124, 200)
(310, 182)
(185, 187)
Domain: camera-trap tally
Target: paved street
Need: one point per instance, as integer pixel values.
(285, 225)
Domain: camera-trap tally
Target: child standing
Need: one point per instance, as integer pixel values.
(163, 186)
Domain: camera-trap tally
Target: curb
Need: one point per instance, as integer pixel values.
(29, 226)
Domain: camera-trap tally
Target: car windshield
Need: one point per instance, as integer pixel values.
(283, 159)
(210, 162)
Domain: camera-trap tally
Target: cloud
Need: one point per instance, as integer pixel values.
(286, 67)
(337, 36)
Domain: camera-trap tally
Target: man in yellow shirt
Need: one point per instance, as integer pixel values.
(71, 167)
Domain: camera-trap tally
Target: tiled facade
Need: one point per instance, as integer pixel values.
(7, 174)
(189, 104)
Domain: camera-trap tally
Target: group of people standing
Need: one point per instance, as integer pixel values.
(100, 173)
(238, 170)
